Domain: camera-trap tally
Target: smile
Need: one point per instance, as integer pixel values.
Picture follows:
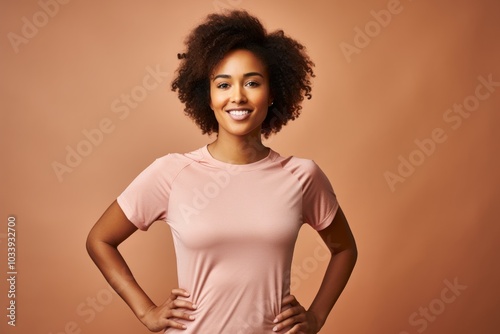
(239, 114)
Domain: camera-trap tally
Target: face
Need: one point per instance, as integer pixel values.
(239, 94)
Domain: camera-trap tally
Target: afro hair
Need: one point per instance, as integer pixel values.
(289, 67)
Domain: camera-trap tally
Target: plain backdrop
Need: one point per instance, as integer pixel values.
(401, 121)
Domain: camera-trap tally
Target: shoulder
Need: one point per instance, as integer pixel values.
(301, 167)
(172, 164)
(306, 172)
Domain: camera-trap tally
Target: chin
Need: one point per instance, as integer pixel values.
(239, 132)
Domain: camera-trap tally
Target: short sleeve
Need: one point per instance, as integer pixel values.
(319, 204)
(145, 200)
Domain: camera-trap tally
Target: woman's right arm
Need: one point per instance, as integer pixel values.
(102, 245)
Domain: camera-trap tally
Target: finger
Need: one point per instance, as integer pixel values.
(290, 317)
(295, 330)
(289, 300)
(290, 322)
(174, 324)
(180, 292)
(181, 315)
(290, 312)
(180, 303)
(176, 293)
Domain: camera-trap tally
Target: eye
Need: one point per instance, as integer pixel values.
(223, 85)
(253, 84)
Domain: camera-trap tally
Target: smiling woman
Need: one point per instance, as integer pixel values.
(289, 69)
(239, 97)
(234, 206)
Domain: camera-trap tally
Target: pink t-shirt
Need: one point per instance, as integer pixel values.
(234, 229)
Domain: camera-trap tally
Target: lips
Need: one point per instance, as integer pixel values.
(239, 114)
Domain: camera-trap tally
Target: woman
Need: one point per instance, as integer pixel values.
(234, 206)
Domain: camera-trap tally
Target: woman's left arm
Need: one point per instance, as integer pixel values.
(340, 241)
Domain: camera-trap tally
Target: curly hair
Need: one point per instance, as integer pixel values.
(289, 67)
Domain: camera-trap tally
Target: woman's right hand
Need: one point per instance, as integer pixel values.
(159, 318)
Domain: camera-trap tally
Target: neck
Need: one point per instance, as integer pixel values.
(238, 150)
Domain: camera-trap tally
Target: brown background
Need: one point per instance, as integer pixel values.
(439, 225)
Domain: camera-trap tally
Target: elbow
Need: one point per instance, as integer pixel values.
(350, 254)
(91, 244)
(354, 255)
(353, 250)
(347, 255)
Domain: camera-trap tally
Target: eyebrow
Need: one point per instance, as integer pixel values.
(246, 75)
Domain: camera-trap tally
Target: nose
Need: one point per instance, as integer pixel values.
(238, 95)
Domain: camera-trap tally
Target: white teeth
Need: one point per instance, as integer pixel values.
(239, 112)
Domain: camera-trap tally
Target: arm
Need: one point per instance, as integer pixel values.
(102, 245)
(340, 241)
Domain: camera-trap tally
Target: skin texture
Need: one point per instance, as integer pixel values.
(102, 245)
(241, 81)
(221, 33)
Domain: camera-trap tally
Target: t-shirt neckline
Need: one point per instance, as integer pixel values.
(237, 167)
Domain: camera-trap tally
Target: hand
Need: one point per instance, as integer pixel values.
(159, 318)
(301, 321)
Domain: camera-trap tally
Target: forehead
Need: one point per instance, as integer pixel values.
(239, 61)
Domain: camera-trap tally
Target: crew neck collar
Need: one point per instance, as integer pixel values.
(239, 167)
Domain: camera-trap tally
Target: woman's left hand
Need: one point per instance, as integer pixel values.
(296, 317)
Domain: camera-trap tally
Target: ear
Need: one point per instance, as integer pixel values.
(270, 101)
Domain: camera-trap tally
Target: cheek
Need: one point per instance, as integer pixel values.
(263, 99)
(216, 100)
